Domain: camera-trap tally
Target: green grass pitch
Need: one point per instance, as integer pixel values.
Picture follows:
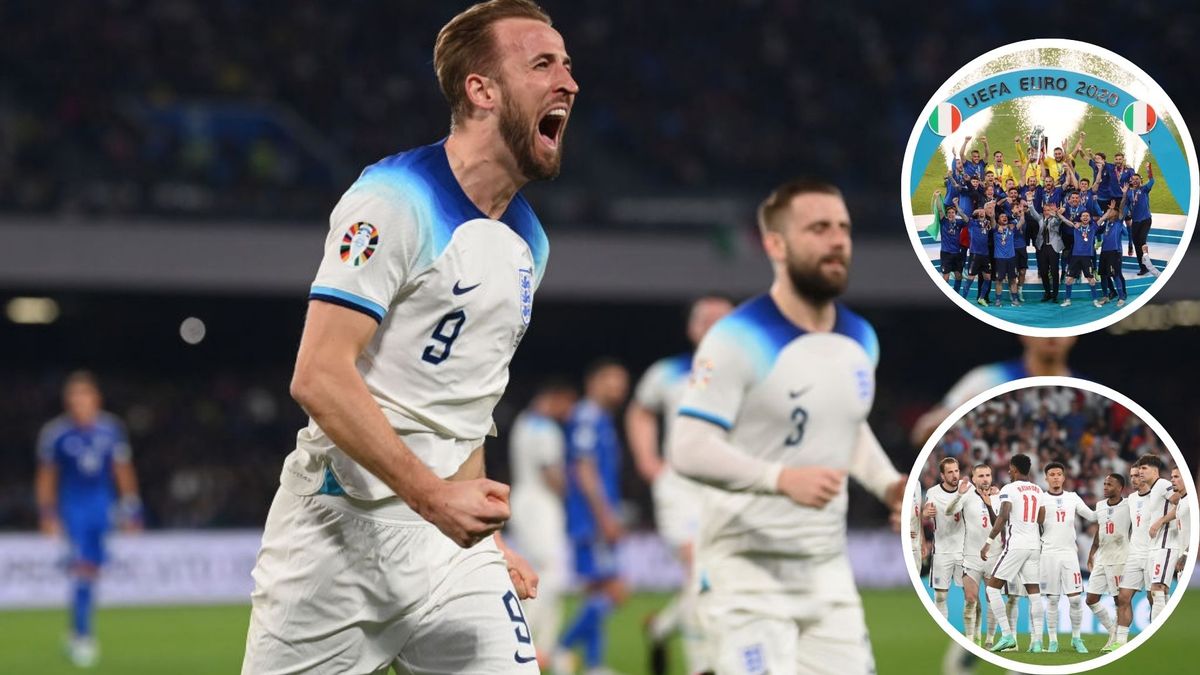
(1065, 653)
(1000, 132)
(203, 640)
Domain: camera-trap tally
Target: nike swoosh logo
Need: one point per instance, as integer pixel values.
(517, 655)
(799, 392)
(459, 290)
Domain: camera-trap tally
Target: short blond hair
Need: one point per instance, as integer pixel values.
(771, 208)
(466, 45)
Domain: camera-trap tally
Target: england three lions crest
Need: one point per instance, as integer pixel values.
(525, 281)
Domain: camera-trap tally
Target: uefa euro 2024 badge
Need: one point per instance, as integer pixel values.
(359, 243)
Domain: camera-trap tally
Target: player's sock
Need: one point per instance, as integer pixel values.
(1037, 613)
(939, 601)
(1068, 291)
(593, 640)
(81, 607)
(996, 602)
(987, 288)
(1010, 608)
(1102, 616)
(969, 620)
(666, 621)
(967, 289)
(1076, 604)
(1121, 282)
(985, 620)
(1051, 616)
(1160, 603)
(1122, 634)
(957, 284)
(588, 627)
(1092, 288)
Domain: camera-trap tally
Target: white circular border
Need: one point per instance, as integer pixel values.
(914, 574)
(945, 91)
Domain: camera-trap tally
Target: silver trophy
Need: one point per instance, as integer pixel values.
(1037, 141)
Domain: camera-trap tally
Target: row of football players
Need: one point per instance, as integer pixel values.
(566, 494)
(997, 235)
(1051, 178)
(1139, 545)
(995, 225)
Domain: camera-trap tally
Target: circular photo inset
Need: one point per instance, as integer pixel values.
(1050, 521)
(1050, 187)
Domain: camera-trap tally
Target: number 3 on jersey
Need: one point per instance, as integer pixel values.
(445, 334)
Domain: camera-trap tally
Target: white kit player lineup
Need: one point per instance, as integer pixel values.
(1022, 541)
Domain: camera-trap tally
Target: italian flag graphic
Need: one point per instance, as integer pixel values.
(946, 119)
(1140, 117)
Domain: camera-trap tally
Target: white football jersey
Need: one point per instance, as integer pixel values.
(1181, 526)
(916, 529)
(1059, 533)
(1114, 526)
(1021, 530)
(452, 291)
(977, 522)
(662, 387)
(948, 528)
(784, 395)
(1144, 509)
(536, 443)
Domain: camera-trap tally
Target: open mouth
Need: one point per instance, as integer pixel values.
(551, 125)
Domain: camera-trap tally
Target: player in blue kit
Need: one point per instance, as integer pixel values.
(1135, 209)
(1083, 247)
(1023, 230)
(592, 498)
(1112, 278)
(1004, 242)
(84, 477)
(981, 263)
(951, 224)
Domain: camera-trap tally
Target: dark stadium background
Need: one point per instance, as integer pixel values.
(160, 160)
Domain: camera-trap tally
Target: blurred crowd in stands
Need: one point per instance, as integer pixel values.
(1091, 435)
(268, 110)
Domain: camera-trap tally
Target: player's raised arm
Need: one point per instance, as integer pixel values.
(956, 504)
(1084, 511)
(327, 384)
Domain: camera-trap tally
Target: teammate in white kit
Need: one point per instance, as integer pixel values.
(1110, 547)
(917, 543)
(1020, 517)
(775, 417)
(1060, 574)
(677, 500)
(1169, 534)
(379, 548)
(538, 526)
(1145, 506)
(974, 504)
(943, 505)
